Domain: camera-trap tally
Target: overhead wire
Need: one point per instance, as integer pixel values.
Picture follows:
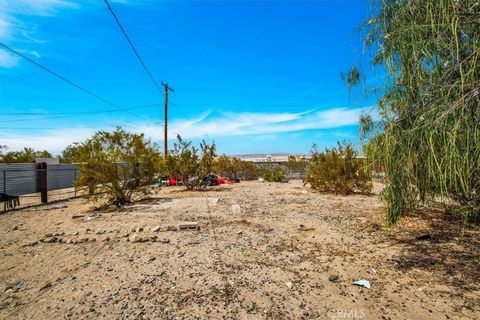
(74, 113)
(64, 115)
(69, 81)
(135, 51)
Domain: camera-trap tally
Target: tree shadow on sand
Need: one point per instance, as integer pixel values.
(442, 247)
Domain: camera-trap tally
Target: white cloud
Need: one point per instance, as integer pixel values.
(8, 60)
(261, 126)
(15, 28)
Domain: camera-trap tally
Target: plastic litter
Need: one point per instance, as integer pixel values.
(362, 283)
(236, 209)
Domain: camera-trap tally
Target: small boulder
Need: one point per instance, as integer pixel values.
(135, 238)
(32, 243)
(49, 239)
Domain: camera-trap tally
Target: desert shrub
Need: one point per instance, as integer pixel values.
(117, 164)
(235, 168)
(338, 170)
(184, 162)
(427, 137)
(273, 173)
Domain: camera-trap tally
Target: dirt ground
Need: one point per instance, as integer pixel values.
(263, 251)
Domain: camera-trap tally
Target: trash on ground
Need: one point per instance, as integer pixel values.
(424, 237)
(212, 202)
(189, 225)
(362, 283)
(302, 227)
(60, 206)
(204, 235)
(236, 209)
(92, 216)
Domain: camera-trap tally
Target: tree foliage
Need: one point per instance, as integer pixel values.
(184, 162)
(118, 164)
(273, 172)
(27, 155)
(428, 136)
(338, 170)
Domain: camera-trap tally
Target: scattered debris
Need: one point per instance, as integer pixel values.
(334, 278)
(92, 216)
(362, 283)
(50, 239)
(289, 284)
(16, 285)
(303, 228)
(189, 225)
(45, 286)
(212, 202)
(31, 243)
(236, 209)
(424, 237)
(204, 235)
(60, 206)
(77, 216)
(156, 229)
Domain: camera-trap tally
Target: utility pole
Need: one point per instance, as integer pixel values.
(165, 127)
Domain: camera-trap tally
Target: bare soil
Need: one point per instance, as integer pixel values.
(285, 253)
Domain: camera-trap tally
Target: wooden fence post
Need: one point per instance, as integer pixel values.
(42, 182)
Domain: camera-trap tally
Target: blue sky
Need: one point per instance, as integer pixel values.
(254, 76)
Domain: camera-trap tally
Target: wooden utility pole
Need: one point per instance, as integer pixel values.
(165, 127)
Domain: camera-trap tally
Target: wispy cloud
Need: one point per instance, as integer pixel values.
(241, 124)
(207, 125)
(17, 30)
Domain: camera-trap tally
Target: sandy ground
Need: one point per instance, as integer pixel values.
(284, 253)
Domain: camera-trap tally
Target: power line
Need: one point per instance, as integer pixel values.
(97, 127)
(67, 80)
(133, 47)
(73, 113)
(64, 115)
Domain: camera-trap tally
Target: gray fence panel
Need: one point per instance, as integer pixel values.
(22, 178)
(61, 176)
(18, 179)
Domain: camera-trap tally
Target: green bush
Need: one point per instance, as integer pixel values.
(338, 170)
(117, 164)
(273, 173)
